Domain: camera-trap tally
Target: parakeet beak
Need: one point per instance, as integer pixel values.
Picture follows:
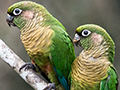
(9, 20)
(76, 40)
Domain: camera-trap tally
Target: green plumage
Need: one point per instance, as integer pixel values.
(45, 40)
(93, 69)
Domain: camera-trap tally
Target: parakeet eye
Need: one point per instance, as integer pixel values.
(85, 33)
(17, 11)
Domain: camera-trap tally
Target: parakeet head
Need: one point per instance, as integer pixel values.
(22, 12)
(92, 35)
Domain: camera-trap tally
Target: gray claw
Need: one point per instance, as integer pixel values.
(50, 87)
(27, 66)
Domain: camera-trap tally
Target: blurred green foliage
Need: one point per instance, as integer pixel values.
(71, 13)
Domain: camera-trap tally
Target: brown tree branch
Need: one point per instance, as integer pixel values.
(7, 55)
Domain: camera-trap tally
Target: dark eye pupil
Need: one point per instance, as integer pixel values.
(85, 32)
(17, 11)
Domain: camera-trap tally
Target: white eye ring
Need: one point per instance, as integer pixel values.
(85, 33)
(17, 11)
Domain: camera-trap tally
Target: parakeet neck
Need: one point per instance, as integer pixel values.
(104, 49)
(90, 67)
(36, 35)
(41, 18)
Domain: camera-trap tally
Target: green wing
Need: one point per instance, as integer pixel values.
(111, 82)
(62, 55)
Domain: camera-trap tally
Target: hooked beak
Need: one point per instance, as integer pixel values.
(76, 40)
(9, 20)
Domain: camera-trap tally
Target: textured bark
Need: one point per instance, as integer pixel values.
(7, 55)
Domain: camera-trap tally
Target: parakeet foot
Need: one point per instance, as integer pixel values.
(27, 66)
(50, 87)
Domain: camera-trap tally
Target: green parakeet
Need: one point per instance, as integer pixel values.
(93, 68)
(45, 40)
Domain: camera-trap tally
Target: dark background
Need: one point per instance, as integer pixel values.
(71, 13)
